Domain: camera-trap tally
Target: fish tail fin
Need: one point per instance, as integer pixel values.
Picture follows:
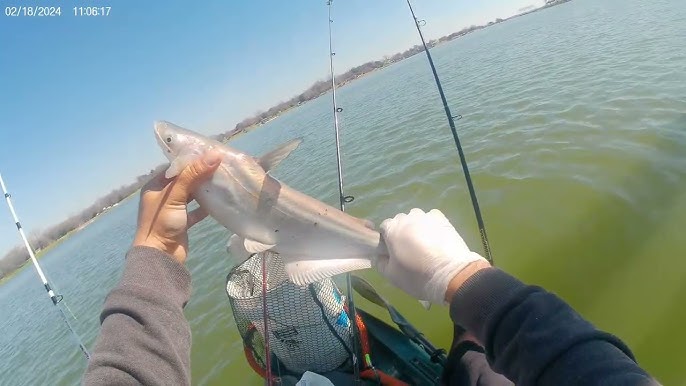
(304, 272)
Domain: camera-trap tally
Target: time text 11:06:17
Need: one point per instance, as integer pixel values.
(55, 11)
(92, 11)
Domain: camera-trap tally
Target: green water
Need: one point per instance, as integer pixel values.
(575, 132)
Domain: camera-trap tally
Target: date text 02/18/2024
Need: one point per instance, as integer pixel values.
(48, 11)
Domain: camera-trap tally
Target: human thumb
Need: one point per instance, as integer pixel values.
(194, 174)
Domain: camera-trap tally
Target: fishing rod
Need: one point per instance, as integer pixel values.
(55, 298)
(342, 198)
(451, 122)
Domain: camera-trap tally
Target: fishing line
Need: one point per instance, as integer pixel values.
(55, 298)
(343, 199)
(265, 316)
(451, 122)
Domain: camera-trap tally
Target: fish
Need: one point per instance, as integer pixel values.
(314, 240)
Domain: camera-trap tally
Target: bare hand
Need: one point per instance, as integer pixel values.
(163, 220)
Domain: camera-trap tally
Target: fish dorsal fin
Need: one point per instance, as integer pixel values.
(270, 160)
(252, 246)
(304, 272)
(180, 162)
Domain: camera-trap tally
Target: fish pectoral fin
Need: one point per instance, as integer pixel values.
(236, 249)
(426, 304)
(252, 246)
(273, 158)
(304, 272)
(180, 162)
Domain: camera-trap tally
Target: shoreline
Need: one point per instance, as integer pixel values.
(42, 252)
(250, 128)
(228, 136)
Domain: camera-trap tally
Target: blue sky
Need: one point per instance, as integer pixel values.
(78, 95)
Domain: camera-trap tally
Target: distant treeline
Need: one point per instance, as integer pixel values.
(40, 240)
(322, 86)
(18, 255)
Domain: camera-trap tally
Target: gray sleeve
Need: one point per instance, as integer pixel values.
(534, 338)
(145, 337)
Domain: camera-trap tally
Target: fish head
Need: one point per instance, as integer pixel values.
(176, 141)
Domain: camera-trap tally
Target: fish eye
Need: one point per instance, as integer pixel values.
(168, 139)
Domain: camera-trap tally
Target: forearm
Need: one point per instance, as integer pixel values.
(145, 337)
(533, 337)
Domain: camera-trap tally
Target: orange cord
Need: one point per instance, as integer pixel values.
(385, 379)
(369, 372)
(250, 355)
(364, 340)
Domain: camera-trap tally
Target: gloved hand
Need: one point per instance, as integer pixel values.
(426, 253)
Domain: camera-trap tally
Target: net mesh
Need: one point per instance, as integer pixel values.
(308, 327)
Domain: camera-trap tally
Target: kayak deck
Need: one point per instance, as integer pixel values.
(396, 355)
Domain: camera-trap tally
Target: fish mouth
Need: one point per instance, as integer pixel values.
(160, 126)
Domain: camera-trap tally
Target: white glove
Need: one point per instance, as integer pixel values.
(426, 253)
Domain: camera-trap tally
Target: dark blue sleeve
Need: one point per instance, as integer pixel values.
(534, 338)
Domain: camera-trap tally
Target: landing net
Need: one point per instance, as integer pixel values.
(309, 328)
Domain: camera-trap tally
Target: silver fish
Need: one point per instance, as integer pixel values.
(314, 239)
